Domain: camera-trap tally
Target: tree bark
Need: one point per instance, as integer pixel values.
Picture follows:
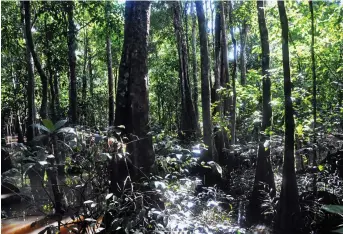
(287, 219)
(224, 71)
(195, 68)
(132, 104)
(234, 76)
(314, 85)
(72, 62)
(264, 173)
(31, 81)
(109, 69)
(84, 75)
(189, 125)
(205, 84)
(44, 106)
(243, 60)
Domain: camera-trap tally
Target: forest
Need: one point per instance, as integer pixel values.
(172, 117)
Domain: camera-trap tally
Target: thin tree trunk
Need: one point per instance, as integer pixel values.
(48, 35)
(195, 68)
(84, 75)
(189, 126)
(288, 219)
(205, 84)
(243, 60)
(234, 76)
(31, 82)
(264, 173)
(57, 93)
(314, 85)
(109, 69)
(224, 72)
(90, 71)
(72, 62)
(44, 79)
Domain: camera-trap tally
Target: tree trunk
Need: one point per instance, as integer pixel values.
(234, 76)
(264, 173)
(189, 125)
(195, 68)
(31, 81)
(109, 69)
(287, 218)
(72, 62)
(84, 75)
(132, 104)
(90, 71)
(44, 79)
(57, 93)
(314, 85)
(48, 35)
(205, 84)
(243, 60)
(224, 71)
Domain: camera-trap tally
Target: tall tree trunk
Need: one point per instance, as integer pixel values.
(195, 68)
(287, 217)
(90, 72)
(242, 51)
(84, 75)
(189, 125)
(132, 104)
(217, 58)
(44, 79)
(205, 83)
(57, 94)
(264, 173)
(234, 76)
(31, 81)
(109, 68)
(48, 36)
(224, 71)
(314, 85)
(72, 62)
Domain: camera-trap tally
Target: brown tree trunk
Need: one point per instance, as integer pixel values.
(205, 84)
(72, 62)
(243, 60)
(189, 125)
(31, 82)
(224, 71)
(132, 104)
(287, 219)
(264, 173)
(109, 69)
(194, 60)
(44, 106)
(234, 76)
(84, 75)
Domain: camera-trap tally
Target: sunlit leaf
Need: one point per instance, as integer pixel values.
(49, 124)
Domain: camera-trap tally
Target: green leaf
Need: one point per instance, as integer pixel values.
(339, 230)
(41, 127)
(48, 124)
(60, 123)
(321, 167)
(336, 209)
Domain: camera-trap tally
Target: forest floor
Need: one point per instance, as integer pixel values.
(191, 207)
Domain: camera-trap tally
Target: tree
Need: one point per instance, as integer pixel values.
(287, 217)
(194, 63)
(30, 77)
(189, 125)
(132, 105)
(264, 173)
(234, 76)
(243, 61)
(44, 79)
(72, 62)
(205, 84)
(109, 68)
